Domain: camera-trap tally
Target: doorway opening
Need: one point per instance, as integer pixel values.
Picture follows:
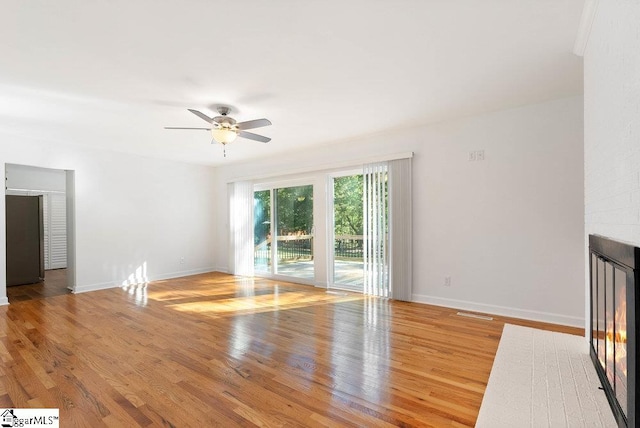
(37, 223)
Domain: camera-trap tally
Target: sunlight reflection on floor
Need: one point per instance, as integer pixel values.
(237, 295)
(138, 292)
(263, 303)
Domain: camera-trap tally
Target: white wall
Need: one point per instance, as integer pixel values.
(32, 178)
(508, 230)
(612, 122)
(612, 125)
(135, 217)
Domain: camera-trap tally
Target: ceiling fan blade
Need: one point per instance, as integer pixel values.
(251, 124)
(174, 127)
(252, 136)
(201, 115)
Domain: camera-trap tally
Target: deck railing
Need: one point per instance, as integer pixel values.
(300, 247)
(290, 248)
(348, 247)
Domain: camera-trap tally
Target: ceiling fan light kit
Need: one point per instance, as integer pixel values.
(223, 135)
(225, 129)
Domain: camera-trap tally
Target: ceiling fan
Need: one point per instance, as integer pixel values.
(224, 129)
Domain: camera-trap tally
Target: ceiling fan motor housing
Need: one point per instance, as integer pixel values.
(225, 121)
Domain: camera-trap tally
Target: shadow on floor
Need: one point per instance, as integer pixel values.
(54, 284)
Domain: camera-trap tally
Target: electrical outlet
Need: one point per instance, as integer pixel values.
(181, 260)
(476, 155)
(447, 281)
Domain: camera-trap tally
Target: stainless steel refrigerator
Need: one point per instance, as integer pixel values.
(25, 239)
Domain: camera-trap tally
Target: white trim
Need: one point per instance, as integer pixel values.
(4, 301)
(126, 283)
(500, 310)
(12, 189)
(278, 184)
(330, 215)
(357, 170)
(70, 192)
(327, 167)
(584, 30)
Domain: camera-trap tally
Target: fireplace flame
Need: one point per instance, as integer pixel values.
(619, 340)
(621, 335)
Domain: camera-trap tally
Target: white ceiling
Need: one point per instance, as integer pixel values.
(113, 73)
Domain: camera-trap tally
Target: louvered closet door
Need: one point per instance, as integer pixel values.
(46, 215)
(58, 231)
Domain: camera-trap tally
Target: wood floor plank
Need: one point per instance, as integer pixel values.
(215, 350)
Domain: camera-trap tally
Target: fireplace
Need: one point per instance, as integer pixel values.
(614, 276)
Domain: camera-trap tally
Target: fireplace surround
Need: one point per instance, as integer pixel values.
(614, 277)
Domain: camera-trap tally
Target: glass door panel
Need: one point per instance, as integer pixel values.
(262, 231)
(620, 339)
(348, 261)
(294, 232)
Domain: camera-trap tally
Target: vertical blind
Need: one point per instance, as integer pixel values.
(387, 229)
(241, 228)
(376, 261)
(400, 221)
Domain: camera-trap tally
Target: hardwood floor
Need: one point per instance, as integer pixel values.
(55, 284)
(215, 350)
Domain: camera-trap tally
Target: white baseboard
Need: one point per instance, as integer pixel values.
(500, 310)
(94, 287)
(181, 274)
(4, 301)
(171, 275)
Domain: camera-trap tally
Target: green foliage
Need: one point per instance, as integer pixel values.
(347, 199)
(294, 210)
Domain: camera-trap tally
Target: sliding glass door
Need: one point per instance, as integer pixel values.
(348, 243)
(283, 231)
(363, 219)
